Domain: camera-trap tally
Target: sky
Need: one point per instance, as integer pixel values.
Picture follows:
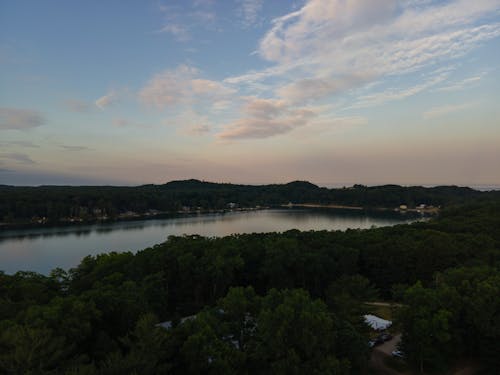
(335, 92)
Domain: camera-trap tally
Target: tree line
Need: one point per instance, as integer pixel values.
(52, 204)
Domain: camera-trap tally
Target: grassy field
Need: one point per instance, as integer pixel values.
(384, 312)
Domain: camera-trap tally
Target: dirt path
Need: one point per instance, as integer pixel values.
(377, 363)
(381, 352)
(469, 370)
(389, 346)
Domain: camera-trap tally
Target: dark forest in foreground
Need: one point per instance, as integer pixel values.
(273, 303)
(52, 204)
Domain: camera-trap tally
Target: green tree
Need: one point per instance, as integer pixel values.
(26, 350)
(144, 351)
(295, 335)
(425, 326)
(346, 296)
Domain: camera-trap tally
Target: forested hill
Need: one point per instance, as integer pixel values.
(82, 203)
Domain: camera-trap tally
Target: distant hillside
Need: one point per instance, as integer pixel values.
(83, 203)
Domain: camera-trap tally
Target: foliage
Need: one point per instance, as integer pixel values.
(457, 317)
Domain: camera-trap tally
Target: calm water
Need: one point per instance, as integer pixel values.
(43, 249)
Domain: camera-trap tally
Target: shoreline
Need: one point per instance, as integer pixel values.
(122, 218)
(317, 205)
(429, 210)
(166, 214)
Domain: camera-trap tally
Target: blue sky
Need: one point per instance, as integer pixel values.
(250, 91)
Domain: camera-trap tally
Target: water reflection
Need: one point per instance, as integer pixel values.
(42, 249)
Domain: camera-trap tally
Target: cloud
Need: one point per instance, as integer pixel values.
(248, 128)
(208, 87)
(358, 24)
(460, 85)
(74, 148)
(180, 32)
(206, 17)
(221, 105)
(179, 23)
(20, 119)
(310, 89)
(181, 86)
(124, 123)
(444, 110)
(254, 76)
(198, 129)
(265, 108)
(26, 144)
(76, 105)
(107, 100)
(398, 94)
(169, 87)
(203, 3)
(121, 122)
(337, 45)
(319, 21)
(327, 48)
(249, 11)
(328, 123)
(265, 118)
(17, 157)
(343, 122)
(173, 25)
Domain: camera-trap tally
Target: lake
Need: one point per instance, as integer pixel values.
(43, 249)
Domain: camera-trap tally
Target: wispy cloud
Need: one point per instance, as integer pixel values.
(445, 109)
(370, 39)
(328, 123)
(24, 144)
(331, 48)
(398, 94)
(125, 123)
(76, 105)
(310, 89)
(179, 31)
(173, 24)
(199, 129)
(249, 11)
(207, 17)
(74, 148)
(465, 83)
(107, 100)
(20, 119)
(179, 24)
(17, 157)
(265, 118)
(169, 87)
(181, 86)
